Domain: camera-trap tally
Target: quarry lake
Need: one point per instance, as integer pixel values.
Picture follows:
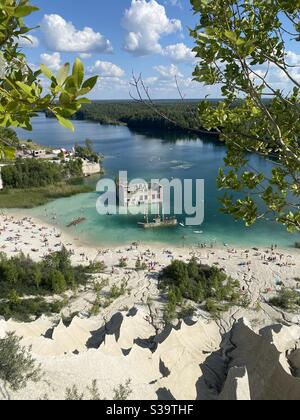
(150, 155)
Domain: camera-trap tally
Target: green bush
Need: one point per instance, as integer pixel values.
(198, 283)
(123, 263)
(21, 276)
(287, 300)
(140, 266)
(96, 267)
(35, 173)
(28, 309)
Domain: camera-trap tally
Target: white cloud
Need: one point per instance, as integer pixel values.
(146, 22)
(85, 55)
(106, 69)
(62, 36)
(177, 3)
(151, 80)
(168, 72)
(29, 42)
(53, 61)
(277, 78)
(111, 88)
(179, 52)
(292, 58)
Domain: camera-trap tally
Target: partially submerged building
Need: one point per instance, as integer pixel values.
(140, 194)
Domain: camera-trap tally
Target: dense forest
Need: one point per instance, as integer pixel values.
(33, 173)
(164, 115)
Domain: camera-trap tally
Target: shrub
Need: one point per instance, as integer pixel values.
(198, 283)
(96, 267)
(140, 266)
(121, 393)
(288, 300)
(21, 276)
(17, 366)
(123, 263)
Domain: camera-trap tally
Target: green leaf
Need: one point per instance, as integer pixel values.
(23, 11)
(231, 36)
(9, 153)
(78, 72)
(84, 101)
(46, 71)
(62, 74)
(90, 83)
(27, 89)
(64, 122)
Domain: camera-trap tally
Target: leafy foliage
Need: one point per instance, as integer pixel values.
(17, 366)
(120, 393)
(87, 152)
(140, 265)
(197, 283)
(238, 44)
(34, 173)
(54, 274)
(288, 300)
(179, 115)
(21, 276)
(21, 90)
(122, 263)
(25, 310)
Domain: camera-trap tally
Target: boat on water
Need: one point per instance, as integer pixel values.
(159, 222)
(182, 224)
(76, 222)
(198, 232)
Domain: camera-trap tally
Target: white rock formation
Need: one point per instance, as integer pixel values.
(260, 356)
(186, 362)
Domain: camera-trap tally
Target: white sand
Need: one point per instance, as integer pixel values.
(182, 352)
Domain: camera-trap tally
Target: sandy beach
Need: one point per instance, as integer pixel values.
(259, 271)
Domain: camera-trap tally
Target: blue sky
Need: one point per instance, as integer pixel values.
(145, 36)
(115, 38)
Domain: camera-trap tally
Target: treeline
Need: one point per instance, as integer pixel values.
(167, 116)
(134, 115)
(34, 173)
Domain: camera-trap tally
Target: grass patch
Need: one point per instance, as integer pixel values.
(34, 197)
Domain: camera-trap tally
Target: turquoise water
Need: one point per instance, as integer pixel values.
(150, 156)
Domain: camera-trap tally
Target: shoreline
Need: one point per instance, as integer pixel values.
(84, 243)
(159, 245)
